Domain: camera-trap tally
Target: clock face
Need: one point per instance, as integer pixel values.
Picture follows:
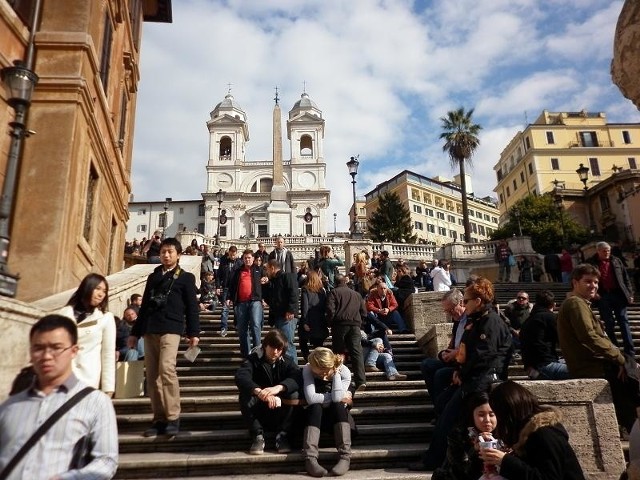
(306, 179)
(224, 180)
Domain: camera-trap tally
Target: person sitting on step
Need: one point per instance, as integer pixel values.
(268, 385)
(326, 389)
(382, 304)
(377, 358)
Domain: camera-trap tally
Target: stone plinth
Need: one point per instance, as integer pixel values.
(423, 310)
(436, 339)
(589, 417)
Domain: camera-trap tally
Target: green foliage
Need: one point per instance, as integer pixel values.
(540, 219)
(391, 221)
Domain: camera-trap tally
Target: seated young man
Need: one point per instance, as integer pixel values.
(268, 381)
(382, 304)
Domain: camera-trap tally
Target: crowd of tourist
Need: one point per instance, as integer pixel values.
(485, 425)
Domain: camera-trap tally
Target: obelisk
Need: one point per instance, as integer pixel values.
(278, 210)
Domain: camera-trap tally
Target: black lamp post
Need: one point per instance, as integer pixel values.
(583, 174)
(220, 198)
(516, 213)
(352, 165)
(167, 201)
(20, 82)
(558, 201)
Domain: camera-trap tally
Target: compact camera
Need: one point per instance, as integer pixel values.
(158, 301)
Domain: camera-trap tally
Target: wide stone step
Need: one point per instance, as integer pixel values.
(230, 402)
(176, 465)
(364, 474)
(239, 439)
(136, 423)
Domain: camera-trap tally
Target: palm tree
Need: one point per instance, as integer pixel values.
(461, 141)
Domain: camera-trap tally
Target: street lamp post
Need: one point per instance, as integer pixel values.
(352, 165)
(219, 198)
(335, 217)
(558, 201)
(167, 201)
(583, 174)
(516, 213)
(20, 82)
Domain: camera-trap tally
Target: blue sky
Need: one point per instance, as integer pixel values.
(383, 73)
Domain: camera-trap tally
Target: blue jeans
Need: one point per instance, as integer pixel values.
(612, 305)
(248, 322)
(224, 316)
(378, 359)
(132, 354)
(566, 278)
(288, 327)
(504, 271)
(554, 371)
(393, 320)
(437, 375)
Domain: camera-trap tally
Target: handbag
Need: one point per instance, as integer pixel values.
(512, 261)
(44, 428)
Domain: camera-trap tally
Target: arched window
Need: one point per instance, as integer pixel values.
(201, 210)
(306, 146)
(262, 185)
(225, 147)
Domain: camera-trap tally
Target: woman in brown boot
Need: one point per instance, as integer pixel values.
(326, 389)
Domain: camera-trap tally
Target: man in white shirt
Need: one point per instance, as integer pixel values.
(91, 422)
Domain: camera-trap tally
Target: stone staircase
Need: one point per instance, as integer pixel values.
(393, 418)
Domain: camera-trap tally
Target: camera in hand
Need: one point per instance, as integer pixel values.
(158, 301)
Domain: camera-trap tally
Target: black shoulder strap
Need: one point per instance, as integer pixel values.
(43, 429)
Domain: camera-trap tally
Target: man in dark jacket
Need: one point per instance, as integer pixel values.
(169, 297)
(539, 341)
(245, 292)
(280, 291)
(614, 295)
(228, 264)
(283, 256)
(267, 382)
(345, 311)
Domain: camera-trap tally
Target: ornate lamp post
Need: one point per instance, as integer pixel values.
(219, 198)
(352, 165)
(583, 174)
(20, 82)
(558, 201)
(167, 201)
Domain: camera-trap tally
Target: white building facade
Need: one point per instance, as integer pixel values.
(261, 198)
(265, 198)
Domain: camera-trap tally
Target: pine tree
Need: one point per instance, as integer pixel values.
(391, 222)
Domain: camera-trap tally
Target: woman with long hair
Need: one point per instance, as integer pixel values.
(539, 442)
(312, 328)
(95, 363)
(326, 389)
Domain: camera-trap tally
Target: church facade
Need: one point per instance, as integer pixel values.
(266, 197)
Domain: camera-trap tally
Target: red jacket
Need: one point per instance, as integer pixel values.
(374, 302)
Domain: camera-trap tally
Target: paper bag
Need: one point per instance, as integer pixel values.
(129, 379)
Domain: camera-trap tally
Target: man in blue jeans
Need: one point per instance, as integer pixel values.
(228, 264)
(245, 292)
(281, 293)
